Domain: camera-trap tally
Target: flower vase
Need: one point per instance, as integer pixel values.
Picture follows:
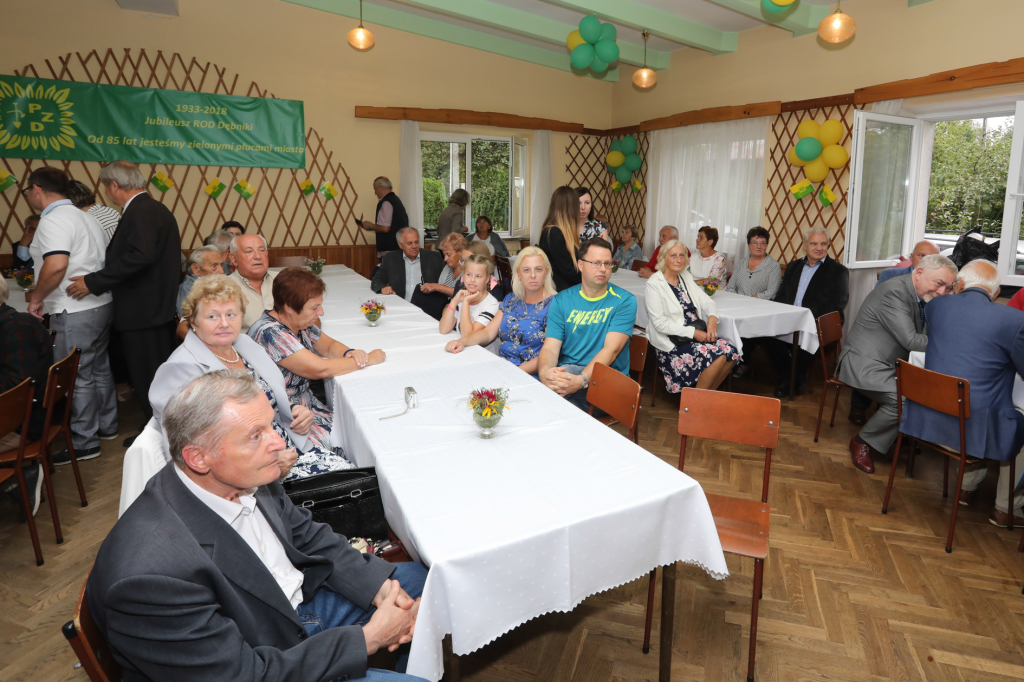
(487, 424)
(373, 317)
(317, 269)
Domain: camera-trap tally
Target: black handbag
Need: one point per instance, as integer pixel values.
(698, 324)
(432, 304)
(348, 501)
(968, 248)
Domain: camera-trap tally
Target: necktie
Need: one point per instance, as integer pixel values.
(920, 304)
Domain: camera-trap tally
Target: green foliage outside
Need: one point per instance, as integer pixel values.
(490, 178)
(434, 201)
(968, 184)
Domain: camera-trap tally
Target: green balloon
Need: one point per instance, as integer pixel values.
(590, 29)
(772, 8)
(582, 55)
(628, 145)
(608, 32)
(808, 149)
(623, 174)
(616, 146)
(606, 50)
(633, 162)
(599, 65)
(612, 169)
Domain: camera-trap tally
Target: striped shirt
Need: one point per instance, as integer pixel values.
(107, 217)
(763, 282)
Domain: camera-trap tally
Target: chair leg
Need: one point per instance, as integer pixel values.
(945, 479)
(755, 602)
(45, 459)
(74, 466)
(835, 406)
(682, 451)
(650, 610)
(821, 410)
(956, 500)
(654, 385)
(909, 473)
(32, 531)
(892, 473)
(1013, 484)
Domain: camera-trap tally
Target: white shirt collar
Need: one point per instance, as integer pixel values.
(409, 260)
(226, 509)
(59, 202)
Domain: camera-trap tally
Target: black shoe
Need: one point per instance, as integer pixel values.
(34, 481)
(128, 441)
(782, 390)
(801, 384)
(739, 370)
(109, 436)
(858, 416)
(81, 454)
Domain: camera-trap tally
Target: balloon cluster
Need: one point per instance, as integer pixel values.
(818, 149)
(776, 6)
(622, 160)
(592, 45)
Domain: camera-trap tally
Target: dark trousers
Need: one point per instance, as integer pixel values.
(781, 354)
(144, 351)
(859, 400)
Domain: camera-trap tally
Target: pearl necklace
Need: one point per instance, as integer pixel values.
(237, 357)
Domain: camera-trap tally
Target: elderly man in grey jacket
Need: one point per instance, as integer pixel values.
(888, 327)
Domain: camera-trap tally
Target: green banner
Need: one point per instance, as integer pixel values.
(50, 119)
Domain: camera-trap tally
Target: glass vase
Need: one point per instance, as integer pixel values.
(373, 317)
(487, 424)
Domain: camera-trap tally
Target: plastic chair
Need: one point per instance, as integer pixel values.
(949, 395)
(289, 261)
(87, 641)
(830, 335)
(742, 524)
(16, 411)
(616, 394)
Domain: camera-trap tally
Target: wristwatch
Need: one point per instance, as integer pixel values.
(586, 381)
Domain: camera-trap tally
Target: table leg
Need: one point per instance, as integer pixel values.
(668, 620)
(452, 672)
(792, 368)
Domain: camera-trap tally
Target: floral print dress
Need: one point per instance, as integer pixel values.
(591, 229)
(683, 365)
(522, 330)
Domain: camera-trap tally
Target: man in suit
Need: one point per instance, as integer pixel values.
(972, 337)
(816, 282)
(890, 324)
(921, 249)
(213, 573)
(401, 272)
(142, 270)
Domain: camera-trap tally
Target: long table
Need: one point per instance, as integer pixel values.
(554, 509)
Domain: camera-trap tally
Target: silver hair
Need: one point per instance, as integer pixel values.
(398, 235)
(221, 239)
(127, 175)
(675, 231)
(815, 230)
(382, 183)
(5, 291)
(986, 277)
(234, 241)
(196, 257)
(193, 414)
(935, 261)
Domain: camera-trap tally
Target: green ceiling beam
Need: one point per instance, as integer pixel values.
(530, 26)
(439, 30)
(801, 19)
(659, 23)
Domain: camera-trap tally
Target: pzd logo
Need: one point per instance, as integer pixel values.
(35, 117)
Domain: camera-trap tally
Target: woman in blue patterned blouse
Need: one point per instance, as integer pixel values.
(522, 319)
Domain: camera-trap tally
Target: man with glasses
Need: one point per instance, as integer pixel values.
(588, 323)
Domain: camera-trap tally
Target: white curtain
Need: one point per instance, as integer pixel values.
(542, 182)
(892, 107)
(708, 174)
(410, 174)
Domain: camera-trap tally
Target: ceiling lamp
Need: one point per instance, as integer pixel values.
(360, 38)
(837, 27)
(645, 78)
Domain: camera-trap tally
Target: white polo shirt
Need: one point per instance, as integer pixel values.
(64, 229)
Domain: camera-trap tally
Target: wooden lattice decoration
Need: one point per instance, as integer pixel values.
(586, 167)
(278, 210)
(786, 216)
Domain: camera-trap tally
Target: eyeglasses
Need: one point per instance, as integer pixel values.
(607, 264)
(25, 191)
(758, 243)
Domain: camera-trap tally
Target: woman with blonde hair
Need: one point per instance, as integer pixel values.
(683, 325)
(521, 321)
(451, 247)
(560, 238)
(473, 307)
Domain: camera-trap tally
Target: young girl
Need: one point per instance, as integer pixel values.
(473, 307)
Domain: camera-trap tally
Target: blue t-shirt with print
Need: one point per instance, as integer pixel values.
(581, 324)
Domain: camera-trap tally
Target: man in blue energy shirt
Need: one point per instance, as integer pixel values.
(588, 323)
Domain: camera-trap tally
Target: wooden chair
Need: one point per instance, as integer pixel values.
(638, 265)
(16, 411)
(616, 394)
(87, 641)
(289, 261)
(638, 347)
(523, 243)
(949, 395)
(830, 337)
(742, 524)
(504, 269)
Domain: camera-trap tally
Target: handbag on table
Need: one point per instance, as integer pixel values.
(347, 500)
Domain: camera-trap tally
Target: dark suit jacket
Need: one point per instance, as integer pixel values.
(975, 339)
(179, 595)
(828, 291)
(143, 266)
(391, 272)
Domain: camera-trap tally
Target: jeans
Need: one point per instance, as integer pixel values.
(331, 610)
(579, 398)
(94, 403)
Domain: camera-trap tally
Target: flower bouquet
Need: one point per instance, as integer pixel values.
(372, 309)
(26, 279)
(710, 286)
(316, 265)
(488, 405)
(615, 266)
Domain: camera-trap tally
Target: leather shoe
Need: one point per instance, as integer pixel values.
(1002, 519)
(966, 497)
(858, 416)
(861, 455)
(782, 390)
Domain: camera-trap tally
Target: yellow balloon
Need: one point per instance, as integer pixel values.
(574, 40)
(831, 131)
(615, 159)
(783, 3)
(807, 129)
(794, 159)
(816, 170)
(835, 156)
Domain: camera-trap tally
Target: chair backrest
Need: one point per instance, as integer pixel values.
(16, 411)
(638, 265)
(60, 381)
(616, 394)
(504, 272)
(941, 392)
(289, 261)
(523, 243)
(830, 337)
(87, 641)
(637, 353)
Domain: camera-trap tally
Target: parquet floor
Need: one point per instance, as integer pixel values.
(849, 594)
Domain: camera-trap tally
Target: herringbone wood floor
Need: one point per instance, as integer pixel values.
(849, 594)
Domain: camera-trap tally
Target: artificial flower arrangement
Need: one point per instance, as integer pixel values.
(615, 266)
(372, 309)
(316, 265)
(25, 278)
(710, 286)
(488, 402)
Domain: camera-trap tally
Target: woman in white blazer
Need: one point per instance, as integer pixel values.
(676, 306)
(214, 310)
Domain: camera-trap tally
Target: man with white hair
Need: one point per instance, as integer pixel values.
(402, 272)
(390, 217)
(890, 324)
(251, 261)
(972, 337)
(666, 233)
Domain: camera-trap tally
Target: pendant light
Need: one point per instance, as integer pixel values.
(645, 78)
(360, 38)
(837, 27)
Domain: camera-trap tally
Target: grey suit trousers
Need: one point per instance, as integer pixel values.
(94, 403)
(880, 431)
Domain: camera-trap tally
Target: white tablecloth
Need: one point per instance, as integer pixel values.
(917, 358)
(17, 297)
(554, 509)
(738, 316)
